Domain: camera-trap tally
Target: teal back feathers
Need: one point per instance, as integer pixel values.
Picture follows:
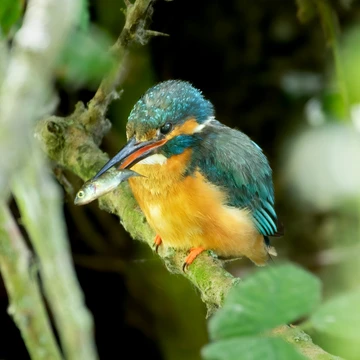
(231, 160)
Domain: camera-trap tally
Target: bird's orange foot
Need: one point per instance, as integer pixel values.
(193, 254)
(157, 242)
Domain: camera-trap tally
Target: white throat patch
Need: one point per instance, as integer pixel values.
(155, 159)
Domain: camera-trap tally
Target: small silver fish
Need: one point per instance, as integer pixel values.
(94, 188)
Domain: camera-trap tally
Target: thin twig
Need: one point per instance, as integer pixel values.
(26, 303)
(101, 263)
(134, 31)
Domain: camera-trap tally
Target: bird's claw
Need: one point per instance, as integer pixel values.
(184, 267)
(157, 242)
(193, 254)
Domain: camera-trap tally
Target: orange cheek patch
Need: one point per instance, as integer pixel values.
(187, 128)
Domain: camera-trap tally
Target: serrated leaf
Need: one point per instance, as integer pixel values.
(339, 316)
(251, 348)
(10, 13)
(269, 298)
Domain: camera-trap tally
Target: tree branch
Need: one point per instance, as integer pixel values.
(26, 303)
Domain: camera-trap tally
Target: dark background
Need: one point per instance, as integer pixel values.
(239, 53)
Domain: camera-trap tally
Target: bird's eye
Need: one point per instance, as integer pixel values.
(81, 194)
(165, 129)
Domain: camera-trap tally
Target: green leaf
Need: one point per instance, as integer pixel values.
(251, 348)
(339, 316)
(10, 13)
(85, 59)
(271, 297)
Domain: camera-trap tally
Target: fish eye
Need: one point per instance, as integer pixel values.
(165, 129)
(81, 194)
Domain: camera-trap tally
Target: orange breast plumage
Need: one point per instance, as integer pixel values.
(189, 212)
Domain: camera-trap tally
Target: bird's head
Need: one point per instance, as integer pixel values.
(163, 123)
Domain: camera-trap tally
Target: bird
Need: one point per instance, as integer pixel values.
(205, 186)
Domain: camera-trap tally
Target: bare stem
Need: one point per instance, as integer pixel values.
(21, 281)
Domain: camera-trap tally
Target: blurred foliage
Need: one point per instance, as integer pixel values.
(340, 316)
(86, 58)
(269, 298)
(178, 314)
(10, 14)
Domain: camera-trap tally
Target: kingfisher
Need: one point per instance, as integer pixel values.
(205, 186)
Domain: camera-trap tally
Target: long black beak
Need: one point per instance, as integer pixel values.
(131, 153)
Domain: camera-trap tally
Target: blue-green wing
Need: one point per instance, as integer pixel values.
(231, 160)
